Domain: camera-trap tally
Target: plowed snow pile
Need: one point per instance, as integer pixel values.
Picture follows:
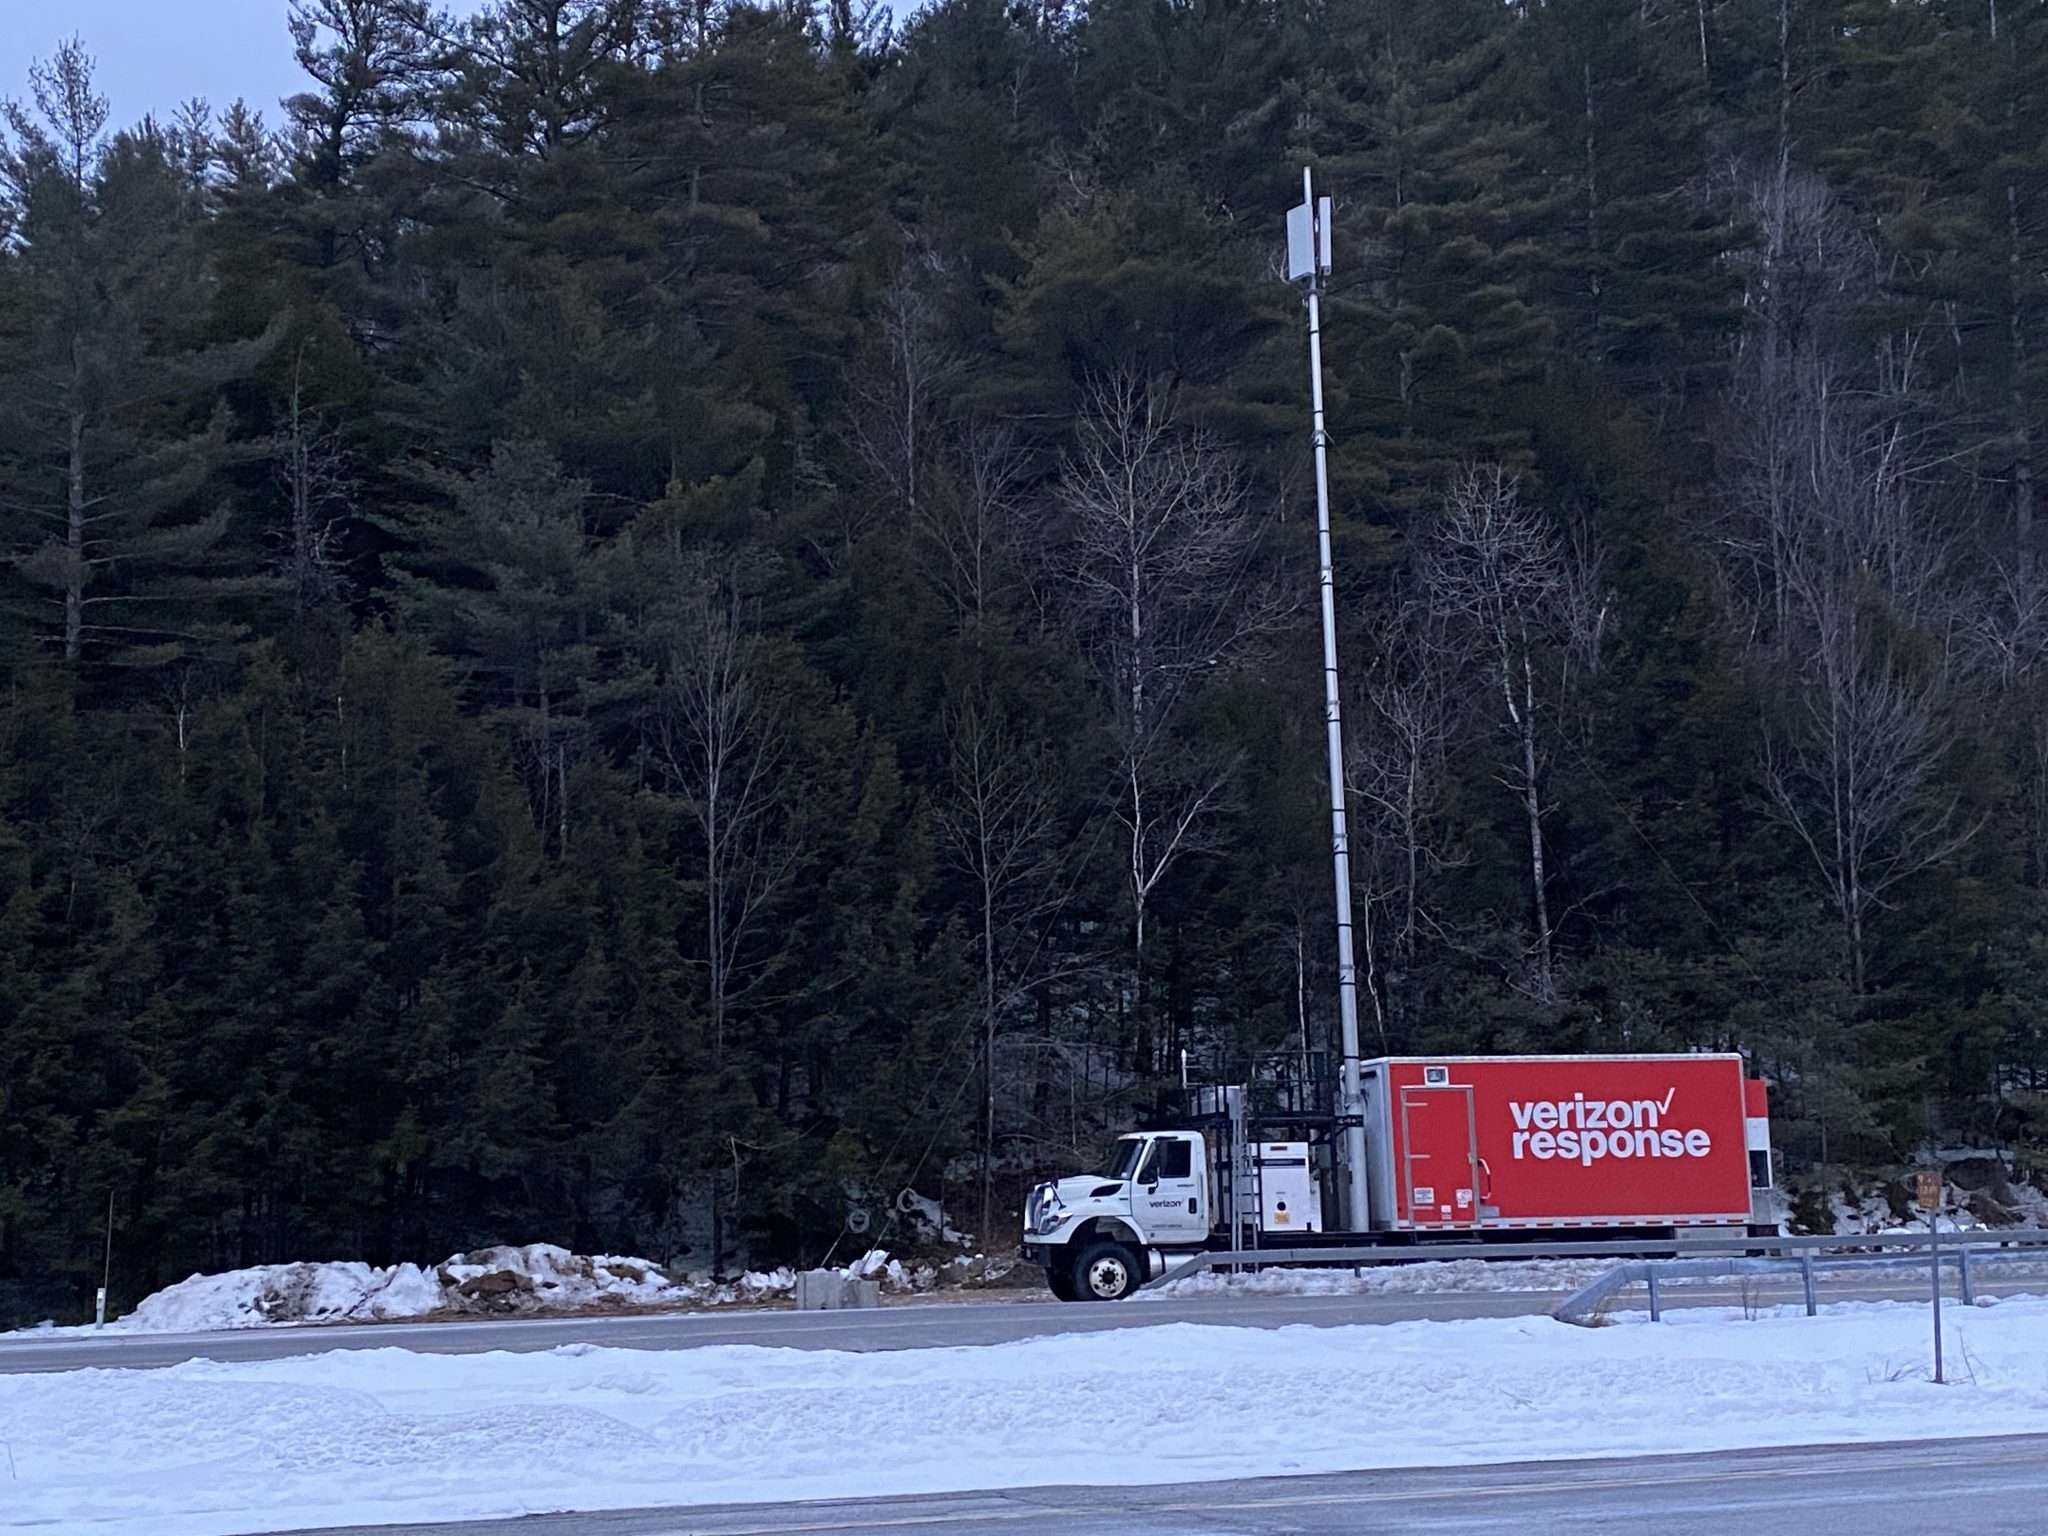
(387, 1435)
(491, 1282)
(279, 1293)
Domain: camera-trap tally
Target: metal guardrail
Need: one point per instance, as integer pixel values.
(1965, 1250)
(1730, 1246)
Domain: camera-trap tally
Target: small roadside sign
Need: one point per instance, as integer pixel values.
(1927, 1191)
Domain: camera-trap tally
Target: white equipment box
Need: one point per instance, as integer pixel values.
(1289, 1198)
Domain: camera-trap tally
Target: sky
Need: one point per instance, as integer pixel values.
(153, 54)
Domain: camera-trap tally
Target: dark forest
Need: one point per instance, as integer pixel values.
(630, 621)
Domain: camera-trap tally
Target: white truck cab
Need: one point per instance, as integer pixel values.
(1101, 1236)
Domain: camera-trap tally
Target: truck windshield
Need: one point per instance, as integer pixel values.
(1123, 1162)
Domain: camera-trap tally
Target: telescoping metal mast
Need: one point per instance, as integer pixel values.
(1308, 263)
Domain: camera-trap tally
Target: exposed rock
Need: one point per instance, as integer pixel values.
(1975, 1174)
(498, 1282)
(1991, 1212)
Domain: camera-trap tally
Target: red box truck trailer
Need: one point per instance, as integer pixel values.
(1500, 1143)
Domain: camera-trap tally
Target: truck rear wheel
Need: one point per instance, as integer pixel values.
(1059, 1279)
(1106, 1271)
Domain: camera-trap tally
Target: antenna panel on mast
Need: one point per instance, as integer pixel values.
(1308, 240)
(1301, 243)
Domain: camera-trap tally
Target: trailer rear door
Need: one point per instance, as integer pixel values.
(1440, 1157)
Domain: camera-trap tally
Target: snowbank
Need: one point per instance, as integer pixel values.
(273, 1293)
(352, 1437)
(1559, 1275)
(489, 1282)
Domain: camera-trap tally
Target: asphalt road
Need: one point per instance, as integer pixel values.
(1989, 1487)
(909, 1326)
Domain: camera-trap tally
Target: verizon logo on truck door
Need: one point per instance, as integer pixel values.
(1587, 1130)
(1564, 1140)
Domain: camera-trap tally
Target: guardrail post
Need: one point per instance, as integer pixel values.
(1806, 1280)
(1963, 1273)
(1656, 1304)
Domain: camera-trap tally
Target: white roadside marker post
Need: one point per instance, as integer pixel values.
(1927, 1185)
(99, 1305)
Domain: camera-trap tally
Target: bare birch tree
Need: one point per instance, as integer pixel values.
(1158, 564)
(896, 424)
(1398, 774)
(313, 475)
(968, 526)
(1504, 583)
(1854, 773)
(1863, 583)
(1844, 574)
(722, 745)
(998, 822)
(1806, 267)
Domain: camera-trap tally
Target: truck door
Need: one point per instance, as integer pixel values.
(1440, 1157)
(1170, 1200)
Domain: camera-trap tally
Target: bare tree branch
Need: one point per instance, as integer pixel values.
(997, 825)
(1509, 591)
(897, 387)
(1397, 773)
(722, 743)
(1158, 572)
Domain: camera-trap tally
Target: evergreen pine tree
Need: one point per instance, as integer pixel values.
(114, 421)
(1424, 128)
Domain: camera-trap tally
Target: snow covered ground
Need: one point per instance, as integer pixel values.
(1389, 1279)
(391, 1435)
(1559, 1276)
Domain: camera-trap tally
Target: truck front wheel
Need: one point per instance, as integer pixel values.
(1106, 1271)
(1059, 1278)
